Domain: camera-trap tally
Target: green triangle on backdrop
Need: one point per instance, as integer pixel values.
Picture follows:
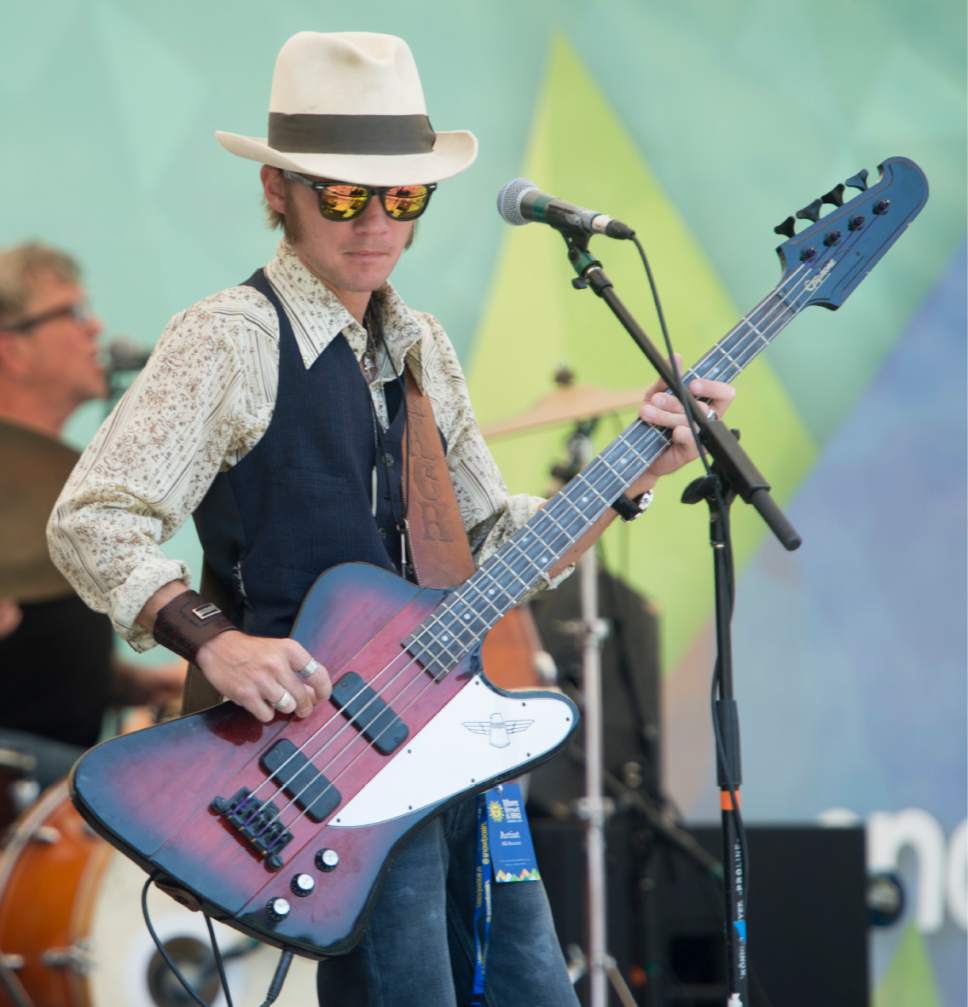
(533, 321)
(909, 978)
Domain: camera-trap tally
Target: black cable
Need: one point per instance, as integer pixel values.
(219, 964)
(728, 562)
(161, 948)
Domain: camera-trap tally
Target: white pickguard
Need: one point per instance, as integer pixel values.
(478, 735)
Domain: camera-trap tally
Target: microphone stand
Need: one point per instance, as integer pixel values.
(733, 475)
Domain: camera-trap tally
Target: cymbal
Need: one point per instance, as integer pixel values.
(35, 467)
(572, 402)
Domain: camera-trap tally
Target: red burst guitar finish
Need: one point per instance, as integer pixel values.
(284, 830)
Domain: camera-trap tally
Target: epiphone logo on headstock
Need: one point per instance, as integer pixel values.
(815, 281)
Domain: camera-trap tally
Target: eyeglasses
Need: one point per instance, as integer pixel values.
(80, 311)
(344, 201)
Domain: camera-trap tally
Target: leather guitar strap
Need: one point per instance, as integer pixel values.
(437, 542)
(439, 550)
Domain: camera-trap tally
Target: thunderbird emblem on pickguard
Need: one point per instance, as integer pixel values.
(497, 729)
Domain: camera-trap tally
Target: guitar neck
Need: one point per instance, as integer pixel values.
(525, 559)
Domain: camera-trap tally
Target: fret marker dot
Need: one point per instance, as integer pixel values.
(445, 638)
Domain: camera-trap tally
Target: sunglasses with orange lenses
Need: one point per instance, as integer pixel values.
(344, 200)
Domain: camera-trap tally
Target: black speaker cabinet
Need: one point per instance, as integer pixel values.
(807, 914)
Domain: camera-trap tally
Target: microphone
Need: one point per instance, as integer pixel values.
(521, 201)
(125, 355)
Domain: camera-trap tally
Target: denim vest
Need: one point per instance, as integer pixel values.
(300, 501)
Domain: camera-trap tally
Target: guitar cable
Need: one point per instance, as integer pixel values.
(216, 952)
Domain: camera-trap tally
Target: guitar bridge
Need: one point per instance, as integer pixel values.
(257, 822)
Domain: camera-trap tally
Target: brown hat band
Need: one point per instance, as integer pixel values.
(350, 134)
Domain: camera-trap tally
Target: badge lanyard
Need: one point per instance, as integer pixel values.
(483, 909)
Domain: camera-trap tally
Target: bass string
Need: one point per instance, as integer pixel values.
(435, 619)
(739, 349)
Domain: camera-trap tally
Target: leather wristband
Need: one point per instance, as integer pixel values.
(629, 509)
(187, 622)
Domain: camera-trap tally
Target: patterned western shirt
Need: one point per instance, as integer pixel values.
(204, 400)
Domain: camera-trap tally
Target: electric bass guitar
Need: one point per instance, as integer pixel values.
(284, 830)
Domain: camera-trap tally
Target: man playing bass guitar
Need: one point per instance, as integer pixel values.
(276, 413)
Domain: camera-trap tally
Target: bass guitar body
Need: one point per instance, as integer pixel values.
(285, 829)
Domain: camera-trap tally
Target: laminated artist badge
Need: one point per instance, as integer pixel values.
(509, 837)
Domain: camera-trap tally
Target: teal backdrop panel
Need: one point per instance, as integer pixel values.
(702, 124)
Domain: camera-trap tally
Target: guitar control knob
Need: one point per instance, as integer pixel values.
(327, 860)
(278, 909)
(303, 884)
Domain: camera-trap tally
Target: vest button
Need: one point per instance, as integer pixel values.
(388, 459)
(382, 532)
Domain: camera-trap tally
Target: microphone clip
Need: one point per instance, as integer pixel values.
(578, 255)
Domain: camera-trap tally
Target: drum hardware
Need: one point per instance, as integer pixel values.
(12, 986)
(46, 835)
(23, 793)
(78, 958)
(17, 788)
(71, 933)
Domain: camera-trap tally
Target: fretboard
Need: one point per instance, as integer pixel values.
(524, 560)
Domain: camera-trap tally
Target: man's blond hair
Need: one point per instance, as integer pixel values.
(20, 265)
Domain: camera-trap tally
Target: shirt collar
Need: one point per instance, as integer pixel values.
(318, 316)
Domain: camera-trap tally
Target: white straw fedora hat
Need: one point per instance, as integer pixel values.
(349, 106)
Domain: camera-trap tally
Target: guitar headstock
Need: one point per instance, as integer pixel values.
(823, 263)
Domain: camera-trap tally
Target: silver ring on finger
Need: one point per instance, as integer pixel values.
(712, 415)
(285, 703)
(309, 669)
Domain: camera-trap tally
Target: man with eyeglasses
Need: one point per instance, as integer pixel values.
(274, 412)
(58, 672)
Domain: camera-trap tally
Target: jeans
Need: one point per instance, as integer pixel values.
(418, 950)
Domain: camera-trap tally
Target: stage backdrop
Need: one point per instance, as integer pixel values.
(702, 125)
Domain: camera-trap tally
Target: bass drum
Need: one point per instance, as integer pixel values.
(72, 932)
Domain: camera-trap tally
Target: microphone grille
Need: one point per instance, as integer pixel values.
(509, 200)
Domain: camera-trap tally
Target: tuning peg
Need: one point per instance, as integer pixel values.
(811, 212)
(787, 228)
(858, 181)
(835, 197)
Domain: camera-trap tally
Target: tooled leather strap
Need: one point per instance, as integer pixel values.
(439, 549)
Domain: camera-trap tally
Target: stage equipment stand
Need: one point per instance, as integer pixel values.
(734, 475)
(593, 807)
